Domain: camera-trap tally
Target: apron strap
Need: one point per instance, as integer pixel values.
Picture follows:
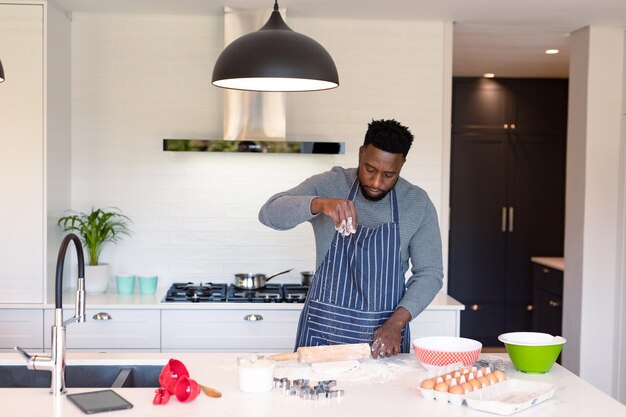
(394, 201)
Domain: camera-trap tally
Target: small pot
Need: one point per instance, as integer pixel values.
(307, 276)
(251, 281)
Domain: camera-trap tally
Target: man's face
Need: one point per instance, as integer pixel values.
(378, 171)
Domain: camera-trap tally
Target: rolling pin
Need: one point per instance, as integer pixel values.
(329, 353)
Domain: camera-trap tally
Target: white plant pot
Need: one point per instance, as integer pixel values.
(97, 278)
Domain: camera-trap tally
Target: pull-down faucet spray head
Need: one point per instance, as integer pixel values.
(55, 362)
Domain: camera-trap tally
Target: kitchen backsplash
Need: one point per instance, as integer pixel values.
(137, 79)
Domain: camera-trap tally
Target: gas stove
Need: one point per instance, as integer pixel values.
(295, 293)
(271, 293)
(196, 293)
(188, 292)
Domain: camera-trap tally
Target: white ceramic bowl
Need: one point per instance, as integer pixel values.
(437, 351)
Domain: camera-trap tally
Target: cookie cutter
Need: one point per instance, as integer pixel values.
(334, 393)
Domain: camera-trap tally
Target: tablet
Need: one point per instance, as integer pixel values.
(99, 401)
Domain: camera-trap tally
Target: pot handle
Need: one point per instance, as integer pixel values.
(277, 274)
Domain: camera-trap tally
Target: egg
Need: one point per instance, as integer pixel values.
(457, 389)
(499, 374)
(428, 384)
(484, 381)
(492, 378)
(475, 384)
(467, 387)
(442, 387)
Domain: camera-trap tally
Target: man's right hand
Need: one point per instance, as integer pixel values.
(338, 210)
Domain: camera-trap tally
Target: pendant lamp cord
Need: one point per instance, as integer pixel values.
(275, 5)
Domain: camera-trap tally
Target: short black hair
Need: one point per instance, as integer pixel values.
(389, 136)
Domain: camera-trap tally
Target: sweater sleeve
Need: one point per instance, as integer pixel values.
(426, 264)
(287, 209)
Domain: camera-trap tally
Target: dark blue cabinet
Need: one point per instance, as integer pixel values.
(506, 197)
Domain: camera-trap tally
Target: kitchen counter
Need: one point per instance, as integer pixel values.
(551, 262)
(136, 301)
(376, 388)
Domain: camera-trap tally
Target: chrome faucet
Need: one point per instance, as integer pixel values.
(55, 362)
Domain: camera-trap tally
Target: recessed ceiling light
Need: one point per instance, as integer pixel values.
(552, 51)
(489, 75)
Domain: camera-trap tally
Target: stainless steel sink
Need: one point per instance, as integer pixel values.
(84, 376)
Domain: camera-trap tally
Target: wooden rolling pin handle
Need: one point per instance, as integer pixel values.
(329, 353)
(293, 356)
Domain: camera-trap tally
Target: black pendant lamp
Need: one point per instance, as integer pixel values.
(1, 73)
(275, 58)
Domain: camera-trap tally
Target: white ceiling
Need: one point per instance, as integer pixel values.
(506, 37)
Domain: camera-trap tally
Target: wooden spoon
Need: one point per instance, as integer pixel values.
(211, 392)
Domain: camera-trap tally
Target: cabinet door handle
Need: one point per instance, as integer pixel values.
(102, 316)
(530, 307)
(506, 126)
(511, 219)
(545, 270)
(554, 304)
(475, 307)
(504, 219)
(513, 126)
(253, 317)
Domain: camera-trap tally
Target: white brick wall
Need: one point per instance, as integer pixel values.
(138, 79)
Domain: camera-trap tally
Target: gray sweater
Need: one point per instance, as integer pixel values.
(419, 230)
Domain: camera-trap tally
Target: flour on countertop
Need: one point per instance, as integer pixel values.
(374, 370)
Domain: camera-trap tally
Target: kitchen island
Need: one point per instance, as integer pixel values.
(142, 322)
(377, 388)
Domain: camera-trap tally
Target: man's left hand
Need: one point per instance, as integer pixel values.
(388, 337)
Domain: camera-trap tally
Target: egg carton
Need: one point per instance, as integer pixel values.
(455, 375)
(504, 397)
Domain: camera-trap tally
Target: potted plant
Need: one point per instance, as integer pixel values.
(95, 229)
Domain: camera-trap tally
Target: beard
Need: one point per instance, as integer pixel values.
(372, 197)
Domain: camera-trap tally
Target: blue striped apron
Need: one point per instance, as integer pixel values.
(357, 287)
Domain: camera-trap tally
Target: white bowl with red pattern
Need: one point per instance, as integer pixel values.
(436, 351)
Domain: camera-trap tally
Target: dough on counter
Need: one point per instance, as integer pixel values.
(335, 368)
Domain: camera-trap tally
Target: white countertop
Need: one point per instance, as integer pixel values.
(551, 262)
(151, 302)
(378, 388)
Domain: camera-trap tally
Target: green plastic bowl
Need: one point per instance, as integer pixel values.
(532, 352)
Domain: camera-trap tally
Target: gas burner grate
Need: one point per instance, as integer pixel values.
(190, 292)
(295, 293)
(271, 293)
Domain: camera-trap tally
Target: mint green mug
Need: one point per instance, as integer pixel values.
(125, 284)
(148, 284)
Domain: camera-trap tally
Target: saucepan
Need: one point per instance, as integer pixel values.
(307, 276)
(251, 281)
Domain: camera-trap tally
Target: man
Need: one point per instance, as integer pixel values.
(368, 223)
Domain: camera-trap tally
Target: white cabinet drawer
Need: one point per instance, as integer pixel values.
(436, 323)
(229, 330)
(21, 327)
(125, 330)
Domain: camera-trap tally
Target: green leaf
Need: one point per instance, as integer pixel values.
(97, 228)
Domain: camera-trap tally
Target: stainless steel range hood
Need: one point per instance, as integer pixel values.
(253, 121)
